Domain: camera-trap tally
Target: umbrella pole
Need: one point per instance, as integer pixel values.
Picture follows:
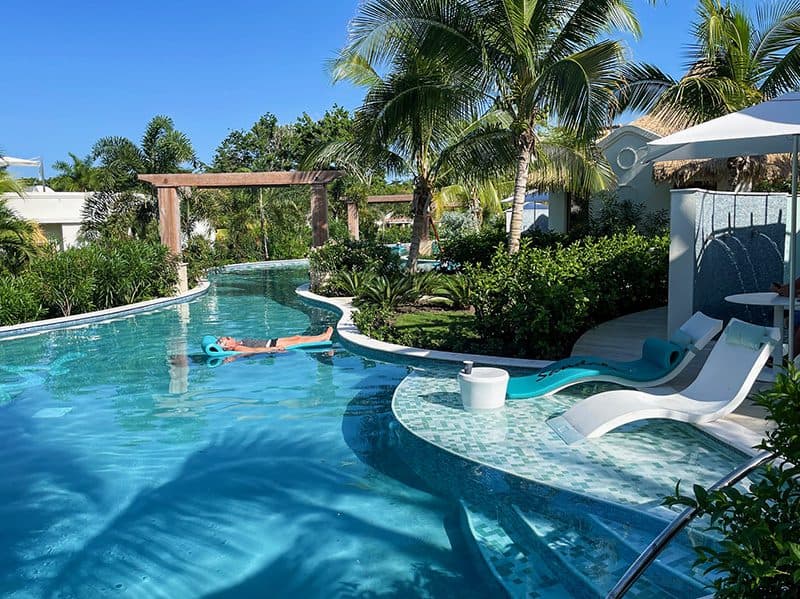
(793, 249)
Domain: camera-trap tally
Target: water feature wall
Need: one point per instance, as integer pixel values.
(724, 243)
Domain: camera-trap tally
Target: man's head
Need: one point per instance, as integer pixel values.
(227, 343)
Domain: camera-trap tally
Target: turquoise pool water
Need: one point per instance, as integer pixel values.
(132, 469)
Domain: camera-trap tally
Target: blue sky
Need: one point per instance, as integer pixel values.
(77, 71)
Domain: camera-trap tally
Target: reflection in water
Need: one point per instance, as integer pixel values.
(169, 478)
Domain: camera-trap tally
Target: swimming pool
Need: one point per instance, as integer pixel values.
(132, 468)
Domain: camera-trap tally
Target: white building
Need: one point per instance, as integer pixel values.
(58, 213)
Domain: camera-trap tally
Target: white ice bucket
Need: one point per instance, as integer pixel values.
(483, 388)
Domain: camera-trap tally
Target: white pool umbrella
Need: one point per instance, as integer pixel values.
(11, 161)
(771, 127)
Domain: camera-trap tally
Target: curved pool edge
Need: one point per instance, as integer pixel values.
(65, 322)
(350, 333)
(728, 433)
(76, 320)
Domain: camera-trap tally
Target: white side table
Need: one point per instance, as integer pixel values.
(483, 388)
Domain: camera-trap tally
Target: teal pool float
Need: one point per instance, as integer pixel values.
(214, 350)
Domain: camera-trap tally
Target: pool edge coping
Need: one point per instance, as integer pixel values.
(735, 435)
(64, 322)
(348, 331)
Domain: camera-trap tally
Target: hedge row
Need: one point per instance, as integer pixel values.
(538, 302)
(93, 277)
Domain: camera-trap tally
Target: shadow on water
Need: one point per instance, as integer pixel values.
(257, 517)
(43, 485)
(370, 430)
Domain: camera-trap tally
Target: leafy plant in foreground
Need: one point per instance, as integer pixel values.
(760, 553)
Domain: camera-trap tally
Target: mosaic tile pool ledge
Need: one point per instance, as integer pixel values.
(637, 464)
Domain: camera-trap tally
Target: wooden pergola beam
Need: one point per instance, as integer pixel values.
(259, 179)
(391, 199)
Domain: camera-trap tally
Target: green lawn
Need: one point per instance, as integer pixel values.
(451, 330)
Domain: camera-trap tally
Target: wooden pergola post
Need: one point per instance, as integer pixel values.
(352, 219)
(319, 215)
(169, 218)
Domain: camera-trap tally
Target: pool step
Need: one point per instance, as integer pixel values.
(675, 560)
(594, 558)
(522, 575)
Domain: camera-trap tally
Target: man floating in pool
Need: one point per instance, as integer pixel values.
(268, 346)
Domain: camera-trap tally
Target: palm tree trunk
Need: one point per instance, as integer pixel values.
(520, 187)
(419, 228)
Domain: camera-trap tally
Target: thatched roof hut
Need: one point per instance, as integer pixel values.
(716, 172)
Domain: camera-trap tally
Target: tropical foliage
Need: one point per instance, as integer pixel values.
(20, 240)
(544, 76)
(760, 553)
(536, 303)
(79, 174)
(739, 57)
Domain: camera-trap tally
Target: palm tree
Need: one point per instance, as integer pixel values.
(738, 59)
(77, 175)
(163, 149)
(20, 240)
(417, 120)
(8, 184)
(538, 63)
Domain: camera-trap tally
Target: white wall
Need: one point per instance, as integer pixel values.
(624, 149)
(58, 212)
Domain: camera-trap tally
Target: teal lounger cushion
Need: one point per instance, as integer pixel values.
(659, 357)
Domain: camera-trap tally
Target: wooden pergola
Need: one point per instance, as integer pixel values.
(169, 214)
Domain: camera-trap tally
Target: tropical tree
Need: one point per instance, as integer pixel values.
(163, 149)
(737, 59)
(77, 175)
(535, 63)
(419, 119)
(20, 239)
(8, 184)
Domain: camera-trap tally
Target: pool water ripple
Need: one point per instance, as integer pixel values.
(134, 469)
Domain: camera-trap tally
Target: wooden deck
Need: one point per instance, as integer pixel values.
(622, 338)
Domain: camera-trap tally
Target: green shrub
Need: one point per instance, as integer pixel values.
(20, 299)
(130, 271)
(200, 257)
(537, 302)
(373, 321)
(67, 280)
(397, 234)
(471, 248)
(760, 553)
(351, 283)
(103, 275)
(457, 224)
(350, 256)
(457, 288)
(390, 292)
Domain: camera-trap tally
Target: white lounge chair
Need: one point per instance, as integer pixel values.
(661, 362)
(724, 381)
